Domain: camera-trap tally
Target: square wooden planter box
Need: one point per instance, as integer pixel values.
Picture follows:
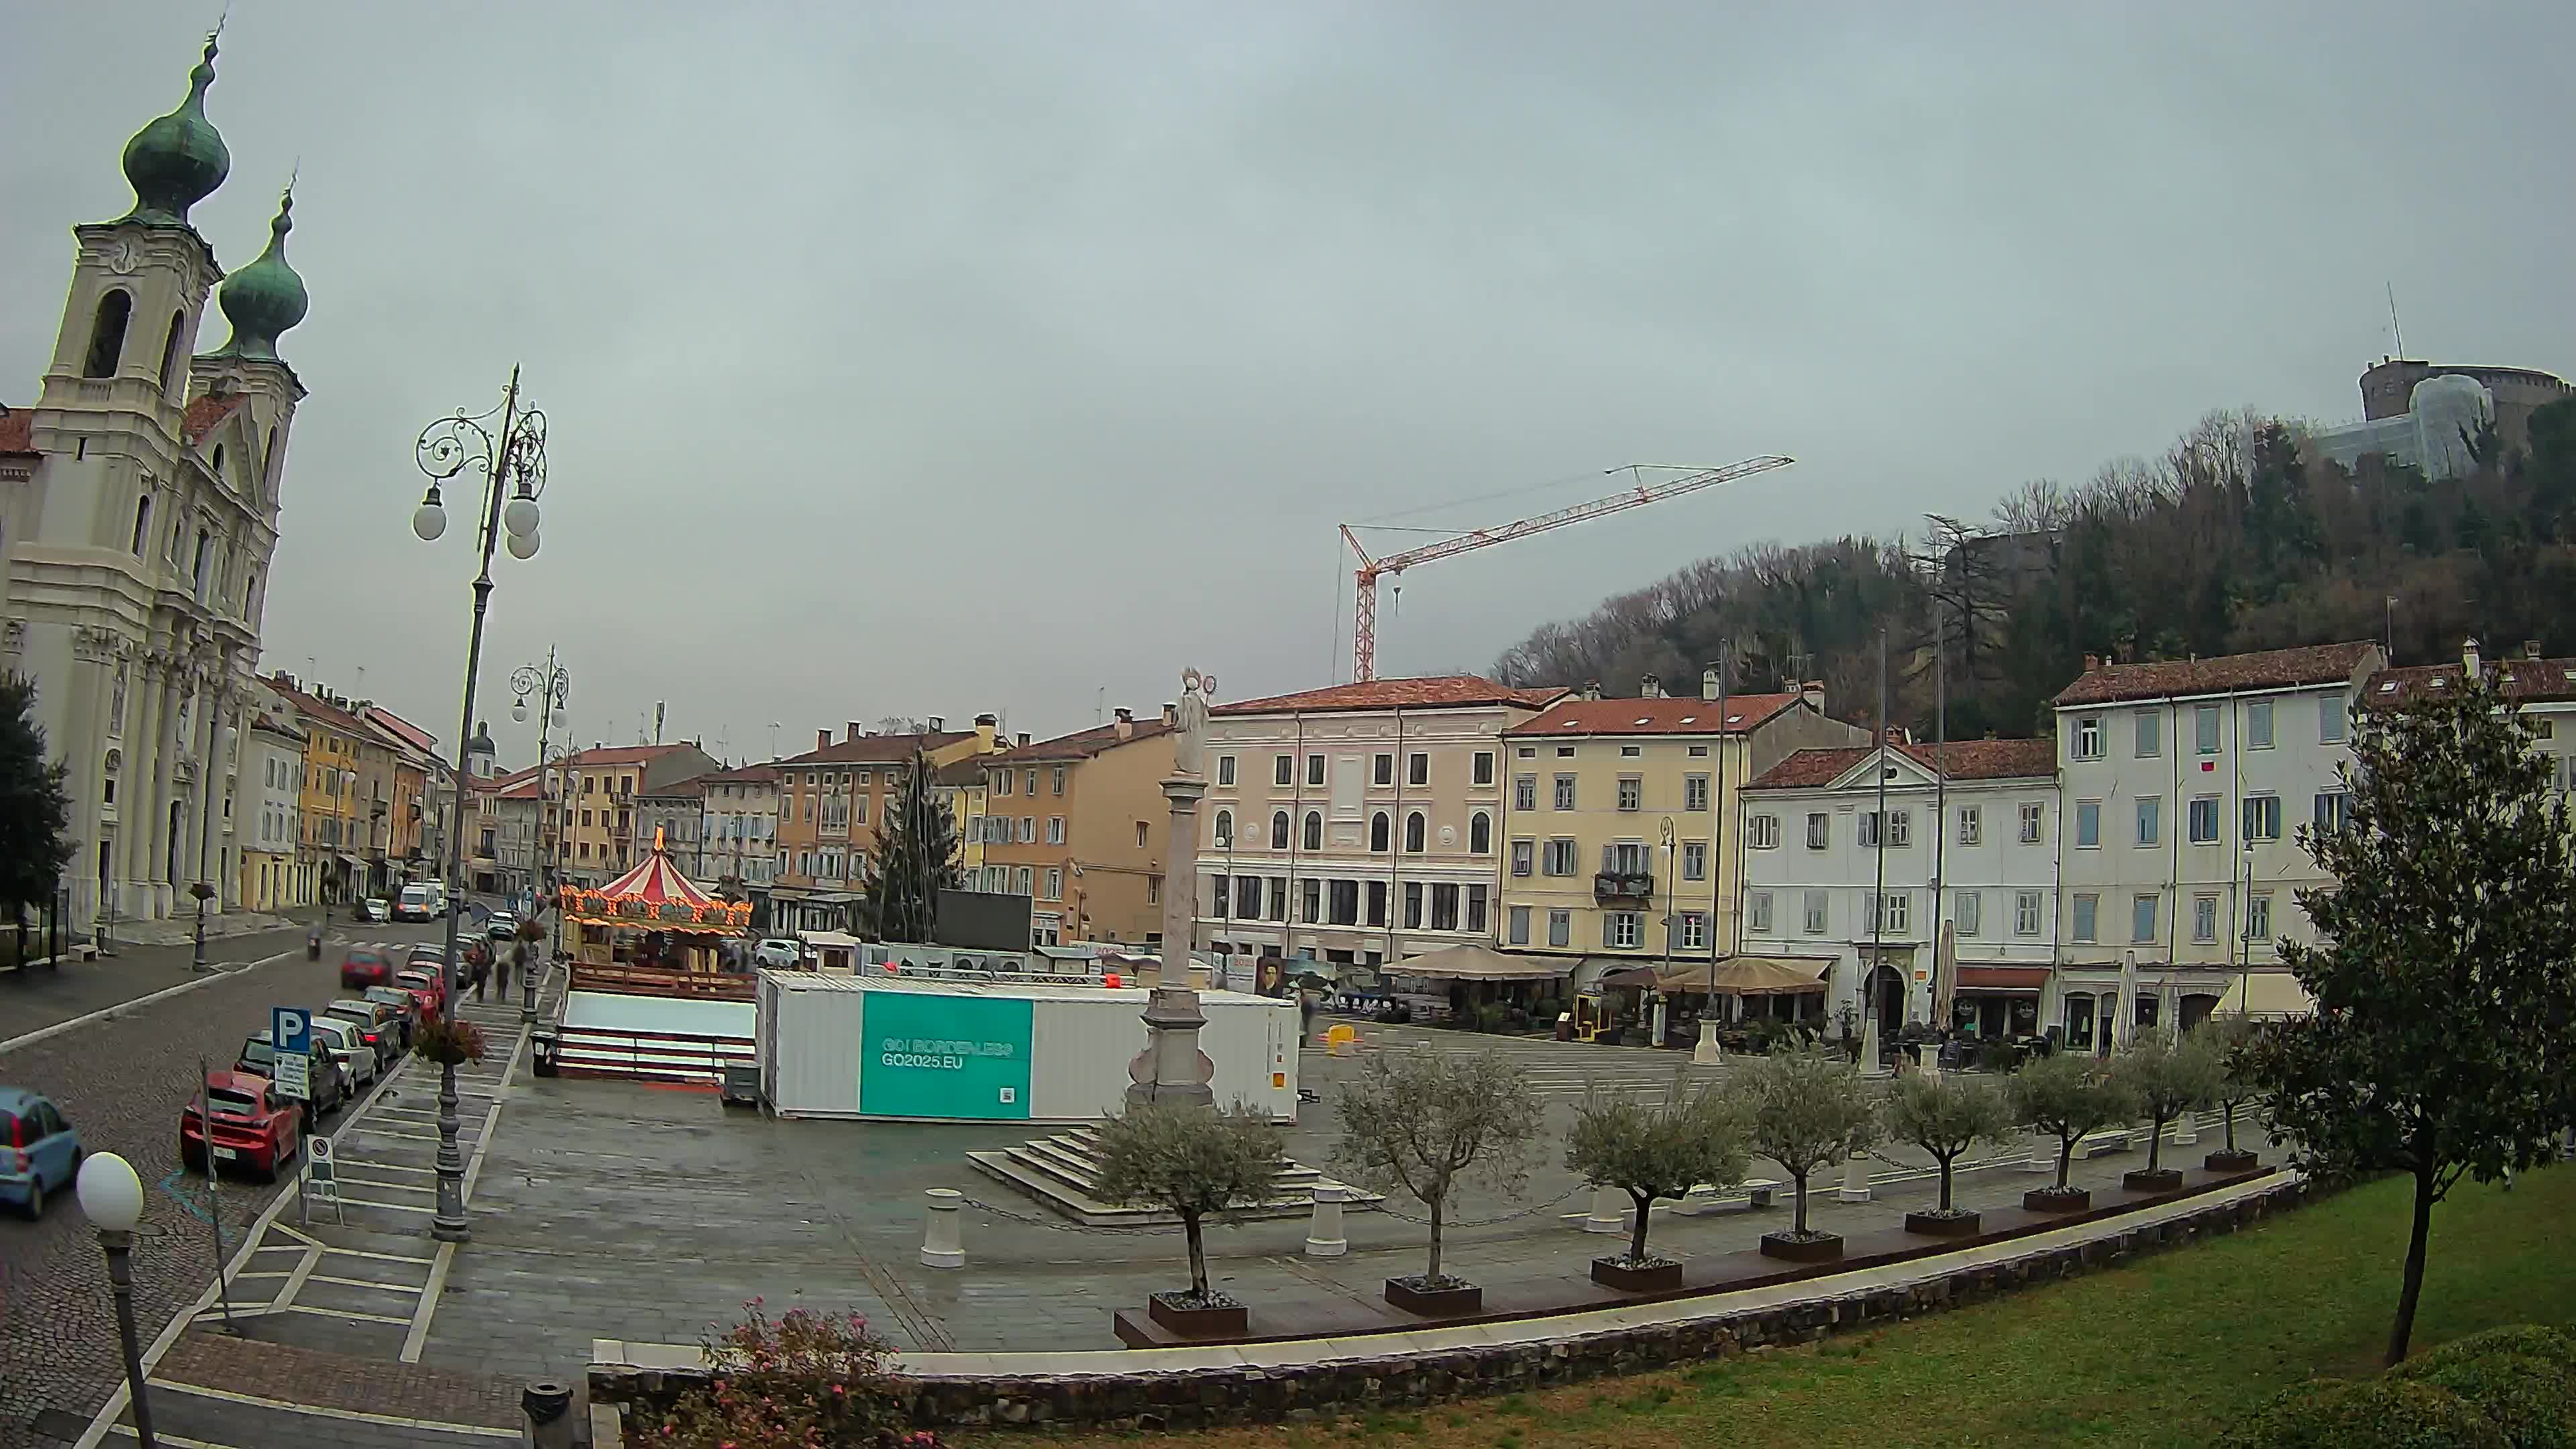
(2225, 1161)
(1824, 1248)
(1653, 1278)
(2050, 1200)
(2161, 1179)
(1455, 1302)
(1937, 1225)
(1226, 1320)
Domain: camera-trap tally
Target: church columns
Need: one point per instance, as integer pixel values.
(165, 758)
(135, 803)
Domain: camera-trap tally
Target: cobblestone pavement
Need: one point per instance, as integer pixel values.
(34, 999)
(122, 1082)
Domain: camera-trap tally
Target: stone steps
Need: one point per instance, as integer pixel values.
(1063, 1171)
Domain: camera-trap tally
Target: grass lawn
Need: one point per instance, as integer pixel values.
(2162, 1352)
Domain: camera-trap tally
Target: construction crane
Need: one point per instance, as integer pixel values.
(1370, 570)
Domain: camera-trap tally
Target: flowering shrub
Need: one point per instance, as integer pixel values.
(801, 1379)
(449, 1041)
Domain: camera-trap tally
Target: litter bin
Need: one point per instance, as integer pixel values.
(741, 1084)
(541, 1051)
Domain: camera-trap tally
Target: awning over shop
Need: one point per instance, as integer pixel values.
(2030, 979)
(1734, 976)
(1480, 963)
(2270, 994)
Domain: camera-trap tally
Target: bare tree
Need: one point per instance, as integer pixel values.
(1197, 1163)
(1421, 1123)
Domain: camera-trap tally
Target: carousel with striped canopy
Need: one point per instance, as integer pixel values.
(653, 917)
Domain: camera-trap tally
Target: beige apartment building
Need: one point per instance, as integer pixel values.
(1360, 823)
(593, 830)
(1079, 825)
(832, 804)
(1620, 824)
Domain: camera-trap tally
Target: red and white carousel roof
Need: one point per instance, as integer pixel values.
(657, 882)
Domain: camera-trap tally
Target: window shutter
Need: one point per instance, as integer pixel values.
(1605, 928)
(1609, 858)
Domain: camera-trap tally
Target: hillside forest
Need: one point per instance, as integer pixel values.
(2235, 538)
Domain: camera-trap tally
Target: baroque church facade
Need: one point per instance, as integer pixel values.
(138, 515)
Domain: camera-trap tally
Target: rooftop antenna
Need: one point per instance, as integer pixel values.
(2398, 332)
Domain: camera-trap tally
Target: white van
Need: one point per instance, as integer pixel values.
(421, 901)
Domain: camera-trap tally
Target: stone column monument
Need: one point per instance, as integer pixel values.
(1171, 1068)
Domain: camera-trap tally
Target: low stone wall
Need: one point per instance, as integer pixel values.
(1306, 1391)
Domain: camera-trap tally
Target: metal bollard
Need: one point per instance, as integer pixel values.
(1855, 1186)
(548, 1406)
(941, 1246)
(1610, 1208)
(1324, 1237)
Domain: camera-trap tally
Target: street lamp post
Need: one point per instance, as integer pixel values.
(112, 1197)
(552, 687)
(513, 465)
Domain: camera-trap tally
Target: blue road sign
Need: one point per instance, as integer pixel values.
(291, 1028)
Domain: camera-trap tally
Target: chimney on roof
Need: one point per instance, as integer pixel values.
(822, 739)
(2469, 659)
(986, 727)
(1813, 692)
(1708, 684)
(1592, 689)
(1021, 738)
(854, 731)
(2531, 649)
(1650, 687)
(1126, 725)
(1171, 713)
(2092, 662)
(939, 724)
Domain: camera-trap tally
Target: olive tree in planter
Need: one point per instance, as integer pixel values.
(1652, 1151)
(1422, 1123)
(2064, 1096)
(2234, 1040)
(1200, 1165)
(2163, 1079)
(1809, 1112)
(1945, 1116)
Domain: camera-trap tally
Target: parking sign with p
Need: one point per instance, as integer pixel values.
(290, 1032)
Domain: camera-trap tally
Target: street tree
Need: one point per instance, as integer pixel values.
(2234, 1041)
(1196, 1163)
(2441, 1040)
(1809, 1111)
(1657, 1150)
(34, 809)
(1946, 1115)
(2163, 1079)
(916, 861)
(2066, 1096)
(1424, 1123)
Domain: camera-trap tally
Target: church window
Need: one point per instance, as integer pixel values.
(107, 334)
(219, 462)
(205, 551)
(142, 522)
(170, 350)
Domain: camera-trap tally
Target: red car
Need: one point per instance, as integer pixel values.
(365, 966)
(425, 988)
(252, 1128)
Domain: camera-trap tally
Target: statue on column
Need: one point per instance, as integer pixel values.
(1187, 745)
(1171, 1068)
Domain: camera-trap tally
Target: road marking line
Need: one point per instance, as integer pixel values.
(245, 1277)
(416, 1337)
(110, 1013)
(173, 1440)
(384, 1132)
(395, 1207)
(295, 1281)
(324, 1411)
(301, 1239)
(365, 1283)
(379, 1257)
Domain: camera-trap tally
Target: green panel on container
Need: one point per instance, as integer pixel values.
(945, 1056)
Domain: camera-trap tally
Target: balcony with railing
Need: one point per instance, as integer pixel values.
(1622, 887)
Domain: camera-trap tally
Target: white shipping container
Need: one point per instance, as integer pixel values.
(996, 1052)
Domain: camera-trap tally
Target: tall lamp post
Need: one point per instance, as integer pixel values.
(552, 688)
(112, 1198)
(513, 465)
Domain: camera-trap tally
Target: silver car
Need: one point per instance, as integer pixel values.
(349, 1047)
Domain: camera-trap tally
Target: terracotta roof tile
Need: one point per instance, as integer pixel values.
(2523, 681)
(1654, 716)
(878, 749)
(1080, 745)
(207, 411)
(1445, 691)
(742, 775)
(2269, 669)
(17, 431)
(604, 755)
(1965, 759)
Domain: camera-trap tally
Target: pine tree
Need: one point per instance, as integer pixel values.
(2441, 1042)
(915, 861)
(34, 810)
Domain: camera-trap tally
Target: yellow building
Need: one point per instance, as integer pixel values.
(593, 830)
(833, 803)
(1619, 820)
(332, 807)
(961, 788)
(1079, 824)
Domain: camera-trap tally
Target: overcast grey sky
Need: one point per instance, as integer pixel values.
(933, 358)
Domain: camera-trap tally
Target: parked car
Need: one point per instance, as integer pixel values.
(359, 1052)
(253, 1126)
(365, 966)
(779, 954)
(376, 909)
(259, 1058)
(406, 1010)
(39, 1152)
(425, 988)
(377, 1023)
(502, 926)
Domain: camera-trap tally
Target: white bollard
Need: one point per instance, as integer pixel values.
(1855, 1186)
(1707, 1053)
(2043, 1156)
(1610, 1208)
(1324, 1230)
(941, 1247)
(2186, 1130)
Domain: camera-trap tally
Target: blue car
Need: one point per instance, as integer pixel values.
(39, 1151)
